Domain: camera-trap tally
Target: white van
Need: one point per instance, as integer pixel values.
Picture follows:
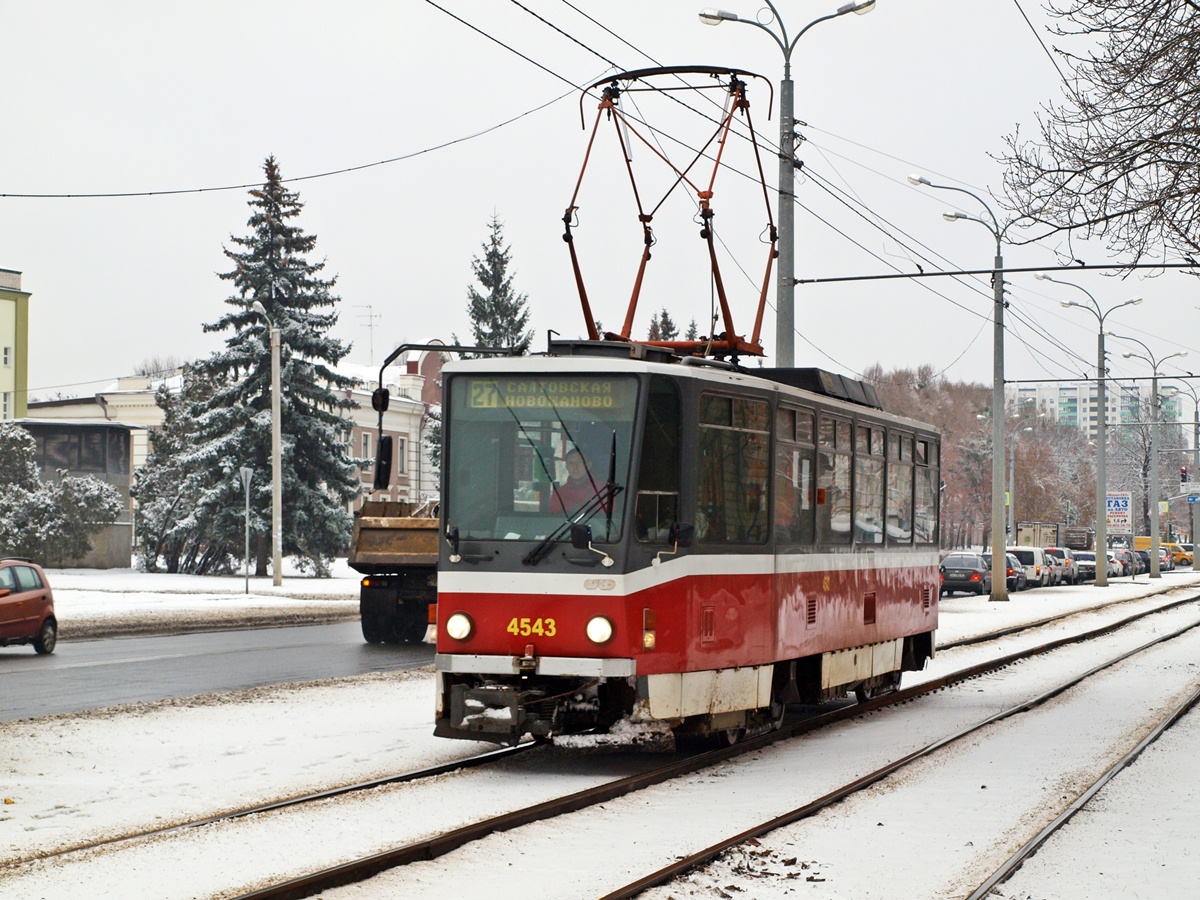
(1037, 571)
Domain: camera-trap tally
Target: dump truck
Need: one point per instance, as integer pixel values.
(395, 547)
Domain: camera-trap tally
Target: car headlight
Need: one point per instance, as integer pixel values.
(459, 626)
(599, 630)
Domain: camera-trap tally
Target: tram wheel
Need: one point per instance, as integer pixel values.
(878, 687)
(727, 737)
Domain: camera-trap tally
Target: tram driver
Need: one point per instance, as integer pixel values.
(579, 487)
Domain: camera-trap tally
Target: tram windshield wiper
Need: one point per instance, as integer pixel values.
(603, 500)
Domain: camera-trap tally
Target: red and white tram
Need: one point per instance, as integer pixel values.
(751, 539)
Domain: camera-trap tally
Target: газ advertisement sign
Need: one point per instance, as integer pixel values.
(1120, 508)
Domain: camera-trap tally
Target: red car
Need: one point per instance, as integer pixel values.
(26, 606)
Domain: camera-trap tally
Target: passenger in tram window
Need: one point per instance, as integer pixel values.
(579, 487)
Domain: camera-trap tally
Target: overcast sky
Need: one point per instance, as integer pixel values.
(156, 97)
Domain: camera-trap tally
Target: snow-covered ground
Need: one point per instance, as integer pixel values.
(70, 778)
(91, 603)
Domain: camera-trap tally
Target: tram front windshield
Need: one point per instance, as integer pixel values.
(527, 453)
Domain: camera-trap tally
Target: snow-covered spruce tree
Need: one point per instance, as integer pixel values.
(168, 536)
(498, 315)
(233, 425)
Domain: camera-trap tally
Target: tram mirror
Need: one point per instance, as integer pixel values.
(383, 462)
(682, 534)
(379, 399)
(581, 536)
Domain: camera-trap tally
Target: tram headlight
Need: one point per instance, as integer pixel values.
(599, 630)
(459, 626)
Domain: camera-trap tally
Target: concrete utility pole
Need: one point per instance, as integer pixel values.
(785, 295)
(1101, 422)
(276, 452)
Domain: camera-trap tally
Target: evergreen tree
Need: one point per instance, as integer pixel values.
(693, 331)
(499, 315)
(233, 423)
(667, 327)
(167, 494)
(655, 333)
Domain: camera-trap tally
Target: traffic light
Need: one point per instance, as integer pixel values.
(1183, 475)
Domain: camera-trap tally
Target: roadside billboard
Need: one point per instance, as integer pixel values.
(1120, 513)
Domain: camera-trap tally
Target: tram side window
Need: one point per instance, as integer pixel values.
(794, 477)
(734, 449)
(658, 471)
(833, 481)
(868, 486)
(899, 489)
(925, 514)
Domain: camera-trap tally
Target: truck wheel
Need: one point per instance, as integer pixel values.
(414, 631)
(372, 628)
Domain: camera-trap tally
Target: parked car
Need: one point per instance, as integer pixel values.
(1085, 561)
(1070, 566)
(1124, 559)
(1014, 572)
(1179, 555)
(1114, 565)
(1142, 558)
(967, 572)
(1189, 554)
(26, 606)
(1033, 559)
(1166, 562)
(1054, 566)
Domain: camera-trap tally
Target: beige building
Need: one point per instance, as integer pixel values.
(14, 346)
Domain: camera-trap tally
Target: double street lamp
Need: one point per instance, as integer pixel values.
(1101, 421)
(1154, 439)
(1192, 524)
(999, 585)
(1012, 474)
(785, 312)
(276, 452)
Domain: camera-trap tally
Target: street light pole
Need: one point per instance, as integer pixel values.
(1155, 540)
(999, 585)
(246, 474)
(276, 453)
(1012, 496)
(785, 293)
(1101, 422)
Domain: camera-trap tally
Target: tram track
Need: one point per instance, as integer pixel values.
(468, 762)
(1009, 867)
(429, 849)
(822, 803)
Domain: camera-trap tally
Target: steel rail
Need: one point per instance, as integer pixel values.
(355, 871)
(1014, 862)
(468, 762)
(685, 864)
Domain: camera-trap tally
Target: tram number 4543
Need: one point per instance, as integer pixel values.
(526, 627)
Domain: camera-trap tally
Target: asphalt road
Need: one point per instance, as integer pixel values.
(83, 675)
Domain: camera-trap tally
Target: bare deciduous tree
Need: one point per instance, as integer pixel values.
(1119, 157)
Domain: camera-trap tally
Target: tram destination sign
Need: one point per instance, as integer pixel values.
(550, 393)
(1120, 513)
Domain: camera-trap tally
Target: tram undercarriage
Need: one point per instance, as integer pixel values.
(651, 710)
